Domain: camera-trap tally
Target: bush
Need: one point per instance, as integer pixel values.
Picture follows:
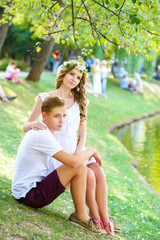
(5, 61)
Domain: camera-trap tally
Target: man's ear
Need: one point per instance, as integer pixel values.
(44, 115)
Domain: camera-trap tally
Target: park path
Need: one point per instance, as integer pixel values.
(22, 74)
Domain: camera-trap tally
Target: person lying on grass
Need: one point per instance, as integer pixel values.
(33, 186)
(4, 97)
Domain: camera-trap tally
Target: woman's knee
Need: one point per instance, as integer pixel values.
(91, 180)
(98, 171)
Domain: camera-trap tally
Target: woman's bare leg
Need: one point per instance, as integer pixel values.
(77, 178)
(101, 192)
(91, 197)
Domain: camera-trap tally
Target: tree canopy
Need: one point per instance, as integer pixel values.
(131, 24)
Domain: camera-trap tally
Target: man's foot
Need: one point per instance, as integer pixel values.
(89, 225)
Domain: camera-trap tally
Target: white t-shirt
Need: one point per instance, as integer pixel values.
(9, 70)
(104, 72)
(31, 164)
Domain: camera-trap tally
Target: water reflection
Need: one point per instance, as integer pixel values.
(142, 139)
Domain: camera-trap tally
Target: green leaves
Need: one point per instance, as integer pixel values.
(118, 22)
(116, 5)
(135, 20)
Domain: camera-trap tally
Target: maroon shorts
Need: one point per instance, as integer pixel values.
(45, 192)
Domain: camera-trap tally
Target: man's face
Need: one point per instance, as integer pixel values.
(55, 119)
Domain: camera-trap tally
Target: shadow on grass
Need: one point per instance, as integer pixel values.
(21, 222)
(27, 221)
(11, 132)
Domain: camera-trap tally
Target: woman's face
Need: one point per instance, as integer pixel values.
(97, 62)
(72, 79)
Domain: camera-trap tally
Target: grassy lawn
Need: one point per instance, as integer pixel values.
(131, 201)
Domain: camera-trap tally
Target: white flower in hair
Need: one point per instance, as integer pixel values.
(76, 64)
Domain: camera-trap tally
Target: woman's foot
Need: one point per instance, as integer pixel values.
(97, 221)
(108, 226)
(99, 224)
(89, 225)
(116, 227)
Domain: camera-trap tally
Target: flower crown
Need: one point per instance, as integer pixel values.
(76, 64)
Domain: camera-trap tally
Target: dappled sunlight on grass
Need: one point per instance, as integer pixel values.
(119, 195)
(152, 91)
(7, 164)
(114, 169)
(18, 119)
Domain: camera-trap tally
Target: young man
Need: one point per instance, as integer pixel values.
(33, 186)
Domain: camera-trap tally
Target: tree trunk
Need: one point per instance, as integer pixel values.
(3, 34)
(41, 60)
(3, 27)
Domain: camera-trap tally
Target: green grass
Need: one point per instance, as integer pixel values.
(131, 201)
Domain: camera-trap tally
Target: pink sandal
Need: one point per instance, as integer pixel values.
(97, 221)
(105, 224)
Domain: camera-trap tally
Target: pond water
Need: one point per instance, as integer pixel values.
(142, 139)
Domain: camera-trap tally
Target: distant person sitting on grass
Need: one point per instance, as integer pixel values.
(4, 97)
(125, 84)
(33, 185)
(137, 83)
(156, 75)
(12, 72)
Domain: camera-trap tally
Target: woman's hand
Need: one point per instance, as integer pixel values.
(97, 158)
(38, 126)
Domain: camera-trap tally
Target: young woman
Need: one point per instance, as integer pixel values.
(104, 73)
(97, 88)
(70, 86)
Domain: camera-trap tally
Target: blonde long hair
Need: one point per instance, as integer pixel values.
(79, 92)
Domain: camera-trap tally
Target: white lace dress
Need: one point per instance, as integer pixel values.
(97, 88)
(67, 137)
